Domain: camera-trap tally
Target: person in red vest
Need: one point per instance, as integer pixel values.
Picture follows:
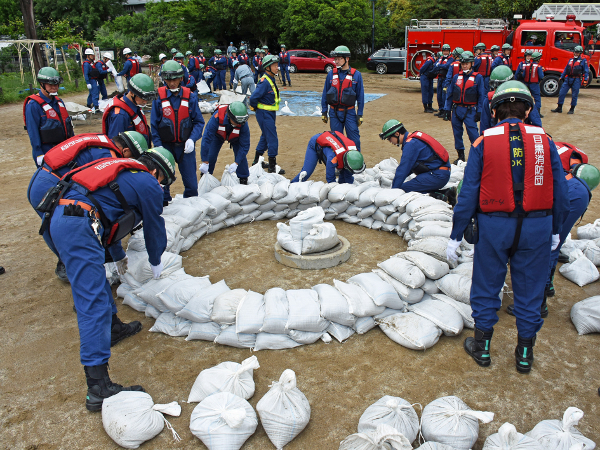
(483, 64)
(91, 74)
(531, 73)
(177, 124)
(575, 70)
(452, 69)
(131, 66)
(515, 189)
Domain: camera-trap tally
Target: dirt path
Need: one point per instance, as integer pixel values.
(42, 384)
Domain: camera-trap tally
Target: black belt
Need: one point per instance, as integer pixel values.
(246, 76)
(532, 214)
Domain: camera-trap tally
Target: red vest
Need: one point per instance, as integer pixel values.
(455, 67)
(137, 118)
(496, 193)
(51, 114)
(569, 155)
(435, 145)
(490, 95)
(93, 73)
(340, 87)
(135, 67)
(221, 130)
(574, 68)
(464, 96)
(505, 60)
(176, 117)
(258, 62)
(243, 58)
(101, 173)
(485, 68)
(64, 153)
(201, 59)
(530, 72)
(196, 62)
(339, 143)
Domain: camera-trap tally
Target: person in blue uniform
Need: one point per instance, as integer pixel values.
(82, 226)
(441, 66)
(219, 62)
(576, 69)
(503, 58)
(104, 67)
(188, 80)
(531, 73)
(344, 94)
(193, 66)
(514, 186)
(465, 97)
(243, 57)
(339, 154)
(257, 64)
(131, 66)
(427, 73)
(265, 101)
(230, 59)
(228, 123)
(453, 69)
(91, 75)
(421, 155)
(177, 124)
(483, 64)
(284, 65)
(243, 76)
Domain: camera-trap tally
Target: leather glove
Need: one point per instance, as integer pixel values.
(451, 250)
(555, 241)
(190, 146)
(324, 118)
(204, 167)
(233, 167)
(477, 116)
(89, 86)
(39, 160)
(359, 121)
(121, 266)
(157, 270)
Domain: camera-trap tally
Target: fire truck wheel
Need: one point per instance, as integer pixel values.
(381, 68)
(550, 85)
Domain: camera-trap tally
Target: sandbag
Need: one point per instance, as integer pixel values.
(244, 194)
(338, 192)
(171, 325)
(592, 252)
(387, 196)
(367, 223)
(354, 194)
(229, 179)
(151, 311)
(280, 190)
(207, 183)
(429, 287)
(314, 193)
(589, 231)
(406, 294)
(286, 240)
(200, 306)
(266, 192)
(445, 316)
(284, 410)
(410, 330)
(305, 337)
(561, 434)
(463, 309)
(322, 237)
(149, 291)
(383, 437)
(404, 271)
(268, 341)
(394, 412)
(361, 305)
(204, 331)
(434, 446)
(228, 336)
(305, 311)
(368, 197)
(301, 225)
(507, 438)
(178, 294)
(382, 293)
(367, 211)
(250, 313)
(217, 202)
(464, 269)
(585, 315)
(340, 332)
(334, 306)
(223, 191)
(431, 267)
(140, 270)
(223, 421)
(364, 324)
(581, 272)
(184, 211)
(456, 286)
(276, 311)
(226, 377)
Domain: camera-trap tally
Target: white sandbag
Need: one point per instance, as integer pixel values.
(151, 311)
(223, 421)
(394, 412)
(268, 341)
(592, 252)
(463, 309)
(322, 237)
(367, 223)
(244, 194)
(305, 311)
(223, 191)
(404, 271)
(225, 306)
(233, 209)
(561, 434)
(340, 332)
(425, 202)
(334, 306)
(200, 306)
(228, 376)
(256, 171)
(217, 202)
(185, 212)
(284, 410)
(379, 215)
(445, 316)
(434, 446)
(216, 227)
(388, 312)
(464, 269)
(338, 192)
(229, 179)
(383, 437)
(353, 210)
(361, 305)
(266, 192)
(280, 190)
(448, 420)
(135, 302)
(228, 336)
(585, 315)
(286, 241)
(437, 215)
(410, 330)
(431, 267)
(131, 418)
(368, 197)
(388, 197)
(301, 225)
(250, 313)
(336, 208)
(305, 337)
(429, 287)
(589, 231)
(276, 311)
(352, 219)
(364, 324)
(382, 293)
(140, 270)
(456, 286)
(314, 193)
(178, 294)
(294, 194)
(403, 220)
(377, 224)
(207, 183)
(392, 219)
(171, 325)
(354, 194)
(406, 294)
(367, 211)
(507, 438)
(581, 272)
(204, 331)
(388, 165)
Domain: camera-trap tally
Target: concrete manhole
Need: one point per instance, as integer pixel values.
(324, 260)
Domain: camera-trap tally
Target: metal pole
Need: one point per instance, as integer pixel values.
(373, 29)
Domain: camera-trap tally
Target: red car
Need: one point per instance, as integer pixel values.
(310, 60)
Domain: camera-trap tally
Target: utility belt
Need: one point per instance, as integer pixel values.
(247, 76)
(82, 206)
(469, 107)
(420, 168)
(529, 215)
(341, 107)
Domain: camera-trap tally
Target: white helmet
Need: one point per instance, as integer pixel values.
(126, 50)
(161, 56)
(107, 55)
(89, 51)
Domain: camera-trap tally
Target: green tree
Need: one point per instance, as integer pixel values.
(13, 28)
(9, 10)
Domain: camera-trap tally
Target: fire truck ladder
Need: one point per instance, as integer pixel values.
(446, 24)
(584, 12)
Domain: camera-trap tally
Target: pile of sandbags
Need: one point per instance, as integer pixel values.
(307, 233)
(583, 254)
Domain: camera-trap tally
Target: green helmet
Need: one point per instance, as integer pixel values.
(588, 173)
(201, 66)
(164, 159)
(466, 57)
(341, 50)
(171, 70)
(480, 46)
(200, 50)
(136, 142)
(188, 53)
(354, 161)
(578, 49)
(265, 47)
(242, 48)
(499, 75)
(173, 50)
(257, 50)
(178, 55)
(536, 56)
(507, 47)
(439, 54)
(494, 48)
(238, 112)
(218, 51)
(390, 128)
(528, 52)
(49, 75)
(142, 86)
(511, 91)
(446, 47)
(282, 46)
(457, 52)
(269, 60)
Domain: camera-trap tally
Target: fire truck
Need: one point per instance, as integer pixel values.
(556, 35)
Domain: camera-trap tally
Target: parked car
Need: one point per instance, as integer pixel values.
(392, 60)
(311, 60)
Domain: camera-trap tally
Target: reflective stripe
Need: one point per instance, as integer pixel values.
(534, 130)
(166, 104)
(221, 128)
(102, 138)
(184, 103)
(47, 107)
(561, 150)
(274, 107)
(494, 131)
(136, 120)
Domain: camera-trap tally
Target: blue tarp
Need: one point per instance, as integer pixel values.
(305, 103)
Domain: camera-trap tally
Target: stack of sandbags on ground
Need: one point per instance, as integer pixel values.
(581, 270)
(421, 209)
(561, 434)
(457, 173)
(386, 172)
(589, 247)
(507, 438)
(585, 315)
(307, 233)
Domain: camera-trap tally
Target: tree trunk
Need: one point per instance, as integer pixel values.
(31, 33)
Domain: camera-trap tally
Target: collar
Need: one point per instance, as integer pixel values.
(130, 103)
(404, 139)
(510, 120)
(46, 99)
(171, 94)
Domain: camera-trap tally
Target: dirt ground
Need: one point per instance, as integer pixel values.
(42, 384)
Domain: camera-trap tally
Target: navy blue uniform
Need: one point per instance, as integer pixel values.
(266, 93)
(311, 159)
(534, 87)
(500, 60)
(284, 66)
(441, 67)
(427, 69)
(572, 80)
(117, 123)
(487, 121)
(92, 99)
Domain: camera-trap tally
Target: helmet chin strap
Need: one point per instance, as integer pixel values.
(175, 91)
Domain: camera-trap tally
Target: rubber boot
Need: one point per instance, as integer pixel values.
(572, 110)
(440, 113)
(461, 156)
(426, 108)
(478, 347)
(100, 386)
(61, 272)
(549, 292)
(558, 109)
(540, 113)
(448, 116)
(2, 270)
(431, 108)
(524, 354)
(120, 330)
(244, 180)
(256, 156)
(510, 309)
(273, 164)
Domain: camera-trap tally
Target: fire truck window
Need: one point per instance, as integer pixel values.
(567, 41)
(533, 38)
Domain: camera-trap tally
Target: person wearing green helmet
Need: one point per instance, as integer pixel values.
(483, 64)
(193, 67)
(453, 67)
(427, 72)
(465, 98)
(442, 66)
(515, 189)
(177, 124)
(537, 56)
(188, 80)
(173, 52)
(575, 70)
(131, 67)
(343, 97)
(494, 49)
(265, 101)
(531, 73)
(284, 65)
(201, 56)
(243, 57)
(102, 203)
(503, 58)
(228, 123)
(422, 155)
(124, 112)
(265, 50)
(257, 64)
(219, 62)
(339, 154)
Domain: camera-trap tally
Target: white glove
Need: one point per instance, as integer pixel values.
(555, 241)
(233, 167)
(190, 146)
(302, 175)
(89, 86)
(40, 160)
(451, 250)
(157, 270)
(121, 266)
(204, 168)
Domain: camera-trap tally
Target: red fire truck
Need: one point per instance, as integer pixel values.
(555, 40)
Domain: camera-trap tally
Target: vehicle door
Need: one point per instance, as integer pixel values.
(315, 61)
(534, 40)
(301, 60)
(395, 61)
(561, 49)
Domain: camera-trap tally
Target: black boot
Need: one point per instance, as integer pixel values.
(549, 292)
(100, 386)
(524, 354)
(440, 113)
(61, 272)
(558, 109)
(510, 309)
(256, 156)
(244, 180)
(572, 110)
(273, 164)
(120, 330)
(478, 347)
(431, 108)
(426, 108)
(461, 156)
(448, 116)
